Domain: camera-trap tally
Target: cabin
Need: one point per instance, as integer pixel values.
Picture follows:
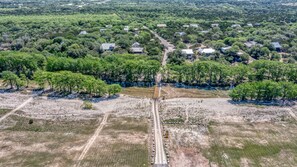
(188, 52)
(126, 28)
(161, 25)
(108, 26)
(5, 46)
(225, 49)
(136, 48)
(194, 25)
(250, 25)
(83, 33)
(206, 51)
(276, 46)
(250, 44)
(102, 30)
(235, 26)
(215, 25)
(107, 47)
(180, 34)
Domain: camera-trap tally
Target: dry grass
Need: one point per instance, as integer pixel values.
(138, 92)
(170, 92)
(42, 143)
(123, 142)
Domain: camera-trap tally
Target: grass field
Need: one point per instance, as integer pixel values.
(42, 142)
(257, 144)
(123, 142)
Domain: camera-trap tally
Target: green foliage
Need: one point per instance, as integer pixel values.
(264, 90)
(67, 81)
(217, 74)
(11, 79)
(87, 105)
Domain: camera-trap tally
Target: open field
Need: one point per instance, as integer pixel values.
(123, 142)
(170, 92)
(54, 131)
(214, 132)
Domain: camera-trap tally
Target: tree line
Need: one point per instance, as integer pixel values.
(264, 91)
(67, 81)
(114, 68)
(216, 74)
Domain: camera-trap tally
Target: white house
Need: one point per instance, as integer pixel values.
(126, 28)
(188, 52)
(236, 26)
(107, 47)
(225, 49)
(83, 33)
(194, 25)
(215, 25)
(207, 51)
(161, 25)
(136, 48)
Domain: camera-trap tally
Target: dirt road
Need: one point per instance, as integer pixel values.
(20, 106)
(92, 140)
(160, 156)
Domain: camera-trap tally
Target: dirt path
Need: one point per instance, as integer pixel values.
(92, 140)
(16, 109)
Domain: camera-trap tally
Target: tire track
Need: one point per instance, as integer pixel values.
(92, 140)
(16, 109)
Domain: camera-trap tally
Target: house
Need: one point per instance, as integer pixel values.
(102, 30)
(215, 25)
(107, 47)
(180, 34)
(108, 26)
(250, 25)
(161, 25)
(126, 28)
(277, 46)
(188, 52)
(83, 33)
(251, 44)
(136, 45)
(258, 24)
(136, 48)
(186, 26)
(194, 25)
(5, 46)
(235, 26)
(225, 49)
(207, 51)
(204, 32)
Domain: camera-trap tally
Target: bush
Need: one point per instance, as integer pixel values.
(87, 105)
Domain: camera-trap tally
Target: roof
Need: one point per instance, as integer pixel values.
(180, 33)
(276, 44)
(194, 25)
(161, 25)
(137, 50)
(136, 45)
(207, 50)
(235, 25)
(83, 33)
(187, 51)
(107, 46)
(250, 44)
(226, 48)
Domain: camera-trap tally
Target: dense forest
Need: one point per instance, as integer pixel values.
(252, 43)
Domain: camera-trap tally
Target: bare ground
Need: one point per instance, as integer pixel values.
(54, 131)
(214, 132)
